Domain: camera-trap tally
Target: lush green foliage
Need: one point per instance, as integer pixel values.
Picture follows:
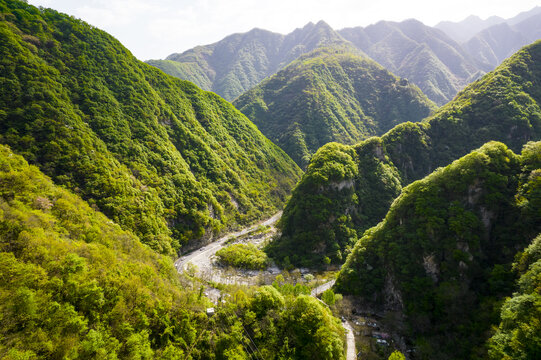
(240, 61)
(326, 212)
(517, 336)
(244, 256)
(185, 71)
(156, 154)
(397, 355)
(441, 259)
(74, 285)
(330, 298)
(322, 217)
(331, 94)
(288, 326)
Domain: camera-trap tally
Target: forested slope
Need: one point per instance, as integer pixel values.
(348, 189)
(331, 94)
(517, 336)
(74, 285)
(440, 261)
(155, 154)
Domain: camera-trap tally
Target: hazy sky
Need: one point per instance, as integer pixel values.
(153, 29)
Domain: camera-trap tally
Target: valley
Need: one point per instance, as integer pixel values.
(202, 264)
(371, 192)
(203, 259)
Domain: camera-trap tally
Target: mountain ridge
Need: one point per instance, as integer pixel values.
(330, 94)
(462, 31)
(449, 68)
(230, 65)
(445, 68)
(156, 154)
(496, 43)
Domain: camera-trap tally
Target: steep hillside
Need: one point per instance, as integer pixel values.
(348, 189)
(517, 336)
(424, 55)
(440, 260)
(498, 42)
(240, 61)
(330, 94)
(74, 285)
(156, 154)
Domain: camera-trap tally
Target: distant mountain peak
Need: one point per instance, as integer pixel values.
(472, 17)
(464, 30)
(240, 61)
(405, 47)
(321, 23)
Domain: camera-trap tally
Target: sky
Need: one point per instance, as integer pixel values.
(153, 29)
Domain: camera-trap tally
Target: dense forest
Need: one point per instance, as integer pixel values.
(331, 94)
(440, 261)
(418, 227)
(75, 285)
(138, 162)
(155, 154)
(517, 336)
(348, 189)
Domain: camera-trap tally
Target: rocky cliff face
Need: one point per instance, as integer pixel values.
(442, 255)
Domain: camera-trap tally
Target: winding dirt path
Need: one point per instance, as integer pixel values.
(202, 257)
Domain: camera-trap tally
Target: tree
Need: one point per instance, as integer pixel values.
(397, 355)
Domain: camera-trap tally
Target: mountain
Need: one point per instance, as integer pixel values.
(524, 15)
(462, 31)
(438, 266)
(74, 285)
(162, 158)
(348, 189)
(330, 94)
(498, 42)
(440, 60)
(424, 55)
(240, 61)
